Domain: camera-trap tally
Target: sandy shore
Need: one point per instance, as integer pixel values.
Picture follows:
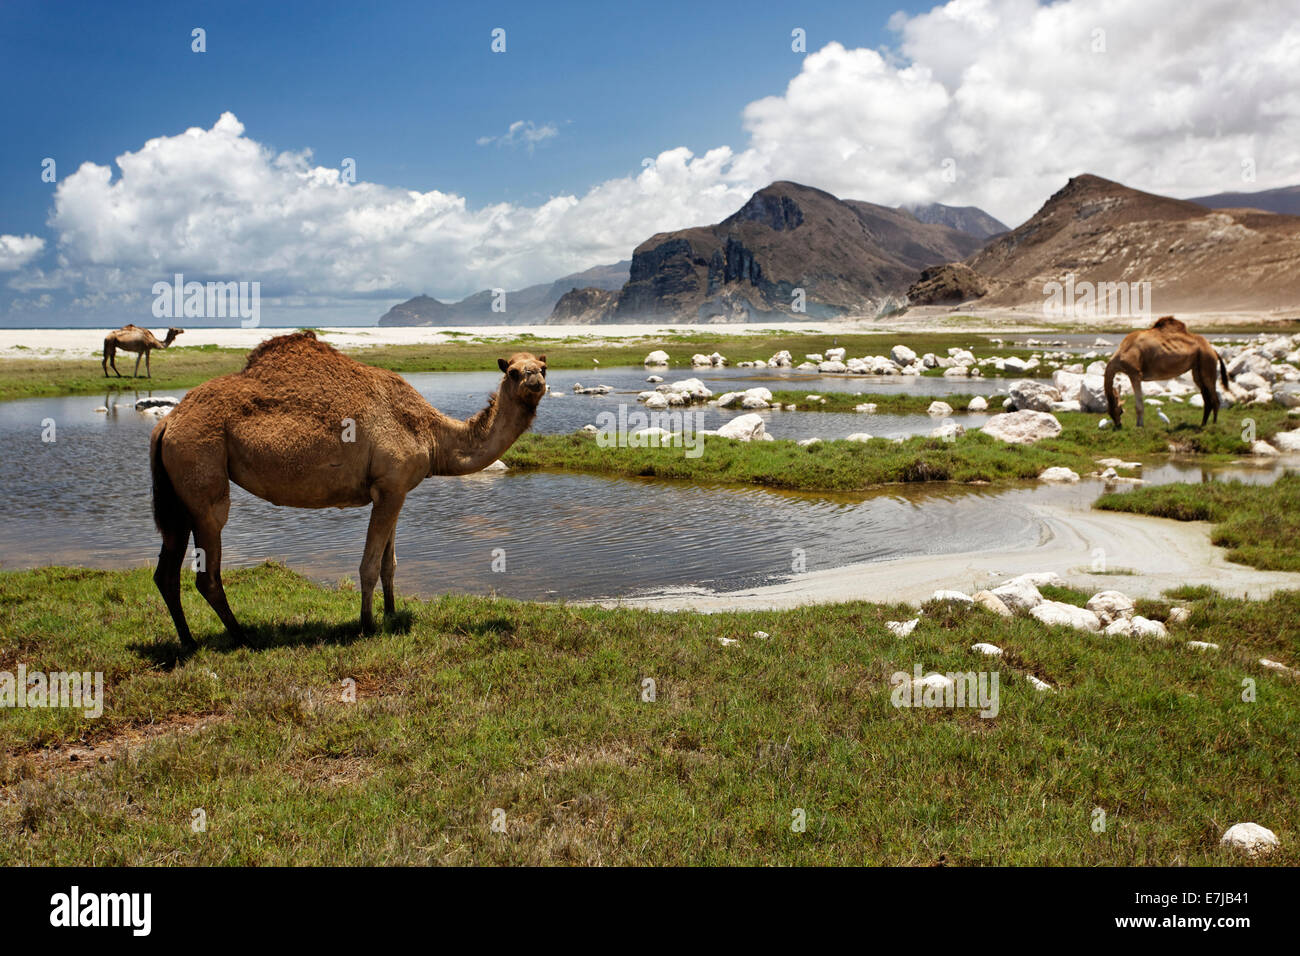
(87, 343)
(1162, 552)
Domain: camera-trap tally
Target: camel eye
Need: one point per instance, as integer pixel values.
(515, 374)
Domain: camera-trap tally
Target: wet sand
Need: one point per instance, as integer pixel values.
(1161, 553)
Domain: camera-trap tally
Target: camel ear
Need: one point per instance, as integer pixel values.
(503, 365)
(542, 359)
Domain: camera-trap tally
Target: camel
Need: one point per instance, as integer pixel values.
(132, 338)
(1165, 351)
(304, 426)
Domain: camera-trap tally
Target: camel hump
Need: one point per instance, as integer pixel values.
(1169, 323)
(286, 348)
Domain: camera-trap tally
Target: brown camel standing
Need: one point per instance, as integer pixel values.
(305, 426)
(132, 338)
(1165, 351)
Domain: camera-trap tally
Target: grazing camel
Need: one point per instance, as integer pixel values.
(305, 426)
(1165, 351)
(132, 338)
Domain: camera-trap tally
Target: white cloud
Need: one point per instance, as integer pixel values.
(1015, 94)
(522, 133)
(17, 251)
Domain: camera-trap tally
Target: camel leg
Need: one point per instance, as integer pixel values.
(207, 535)
(176, 535)
(383, 522)
(1209, 396)
(386, 571)
(1136, 381)
(147, 370)
(138, 356)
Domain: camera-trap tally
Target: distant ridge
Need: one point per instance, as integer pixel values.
(1096, 230)
(968, 219)
(523, 306)
(1285, 200)
(790, 251)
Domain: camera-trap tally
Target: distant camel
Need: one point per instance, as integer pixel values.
(132, 338)
(1165, 351)
(305, 426)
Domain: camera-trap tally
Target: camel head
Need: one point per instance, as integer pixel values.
(525, 380)
(1116, 410)
(171, 336)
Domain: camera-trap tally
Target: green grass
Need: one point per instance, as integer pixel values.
(895, 403)
(1258, 524)
(854, 466)
(187, 366)
(466, 705)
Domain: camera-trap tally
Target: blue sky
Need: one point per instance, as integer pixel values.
(226, 164)
(405, 88)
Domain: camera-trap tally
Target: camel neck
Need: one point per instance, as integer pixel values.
(464, 447)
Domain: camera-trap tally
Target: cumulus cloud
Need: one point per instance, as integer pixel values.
(993, 103)
(17, 251)
(522, 133)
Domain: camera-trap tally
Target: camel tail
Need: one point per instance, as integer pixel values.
(1223, 369)
(169, 512)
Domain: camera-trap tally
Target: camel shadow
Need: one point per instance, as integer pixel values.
(265, 637)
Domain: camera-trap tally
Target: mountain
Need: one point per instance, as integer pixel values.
(1285, 200)
(532, 304)
(788, 244)
(1097, 231)
(968, 219)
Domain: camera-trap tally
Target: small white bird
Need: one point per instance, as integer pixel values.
(1163, 417)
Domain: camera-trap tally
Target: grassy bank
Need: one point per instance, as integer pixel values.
(470, 705)
(185, 367)
(893, 403)
(1258, 524)
(850, 466)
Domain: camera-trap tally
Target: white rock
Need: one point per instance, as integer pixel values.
(992, 650)
(102, 408)
(902, 355)
(762, 635)
(1059, 473)
(656, 400)
(1034, 396)
(939, 410)
(1287, 441)
(744, 428)
(937, 681)
(1022, 427)
(657, 357)
(832, 366)
(867, 408)
(956, 597)
(858, 436)
(497, 465)
(1145, 627)
(1263, 449)
(1060, 613)
(1202, 645)
(1273, 665)
(991, 602)
(836, 355)
(902, 628)
(810, 441)
(1179, 615)
(1037, 684)
(1251, 838)
(1018, 595)
(727, 641)
(652, 379)
(161, 401)
(699, 359)
(1110, 606)
(977, 404)
(948, 431)
(717, 360)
